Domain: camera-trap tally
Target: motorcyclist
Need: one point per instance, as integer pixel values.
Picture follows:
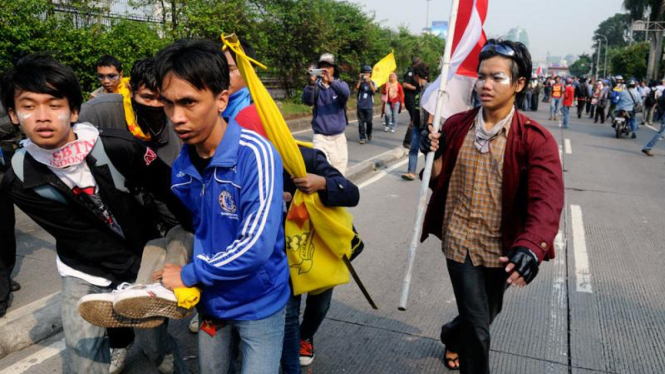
(629, 99)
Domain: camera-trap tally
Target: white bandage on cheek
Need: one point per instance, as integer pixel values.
(502, 79)
(22, 117)
(64, 118)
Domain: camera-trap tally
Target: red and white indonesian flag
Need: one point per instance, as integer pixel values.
(468, 40)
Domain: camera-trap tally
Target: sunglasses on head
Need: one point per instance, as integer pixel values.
(499, 48)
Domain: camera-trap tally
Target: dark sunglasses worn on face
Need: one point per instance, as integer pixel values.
(499, 48)
(110, 77)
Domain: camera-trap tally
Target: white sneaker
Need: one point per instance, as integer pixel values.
(392, 130)
(385, 129)
(144, 301)
(97, 309)
(118, 358)
(194, 324)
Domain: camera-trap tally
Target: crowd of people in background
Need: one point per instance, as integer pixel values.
(600, 100)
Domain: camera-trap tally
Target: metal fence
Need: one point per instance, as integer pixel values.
(105, 12)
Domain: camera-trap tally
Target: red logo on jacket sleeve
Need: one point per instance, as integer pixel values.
(149, 156)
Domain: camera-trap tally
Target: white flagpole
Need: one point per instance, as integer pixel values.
(422, 200)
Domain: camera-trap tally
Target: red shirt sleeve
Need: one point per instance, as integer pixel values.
(249, 119)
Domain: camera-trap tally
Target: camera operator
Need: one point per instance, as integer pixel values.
(327, 94)
(366, 89)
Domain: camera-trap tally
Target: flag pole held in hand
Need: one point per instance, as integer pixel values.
(429, 160)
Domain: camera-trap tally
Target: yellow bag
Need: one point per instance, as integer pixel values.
(317, 237)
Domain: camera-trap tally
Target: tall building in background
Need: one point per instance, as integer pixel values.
(570, 59)
(553, 60)
(518, 34)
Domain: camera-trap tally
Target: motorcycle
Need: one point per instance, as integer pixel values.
(620, 124)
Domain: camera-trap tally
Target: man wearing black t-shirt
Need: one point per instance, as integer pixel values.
(366, 89)
(411, 91)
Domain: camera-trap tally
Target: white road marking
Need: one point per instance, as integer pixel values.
(582, 272)
(380, 175)
(651, 127)
(35, 358)
(557, 344)
(560, 155)
(569, 148)
(28, 310)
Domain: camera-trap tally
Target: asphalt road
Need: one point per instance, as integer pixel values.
(597, 308)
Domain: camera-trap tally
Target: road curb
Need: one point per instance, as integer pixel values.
(355, 173)
(41, 319)
(30, 324)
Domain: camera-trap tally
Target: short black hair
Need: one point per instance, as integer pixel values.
(421, 70)
(249, 50)
(143, 73)
(200, 62)
(41, 74)
(108, 60)
(521, 66)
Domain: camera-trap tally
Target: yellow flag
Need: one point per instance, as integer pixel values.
(317, 237)
(383, 68)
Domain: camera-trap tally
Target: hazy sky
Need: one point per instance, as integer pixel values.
(558, 26)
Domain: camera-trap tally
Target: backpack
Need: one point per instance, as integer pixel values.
(49, 192)
(616, 97)
(650, 100)
(638, 107)
(602, 99)
(581, 91)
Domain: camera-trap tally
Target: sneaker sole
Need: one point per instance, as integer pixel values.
(146, 307)
(100, 313)
(306, 361)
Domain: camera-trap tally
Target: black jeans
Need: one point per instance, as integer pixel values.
(479, 293)
(365, 122)
(414, 119)
(316, 309)
(580, 108)
(7, 244)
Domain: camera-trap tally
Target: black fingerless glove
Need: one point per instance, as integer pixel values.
(526, 262)
(426, 143)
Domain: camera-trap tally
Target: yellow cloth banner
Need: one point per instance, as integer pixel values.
(130, 117)
(382, 69)
(187, 297)
(317, 236)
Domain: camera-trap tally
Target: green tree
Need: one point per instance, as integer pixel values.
(616, 29)
(654, 11)
(288, 35)
(24, 28)
(631, 61)
(582, 67)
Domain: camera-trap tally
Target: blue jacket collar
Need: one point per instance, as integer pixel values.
(226, 154)
(237, 102)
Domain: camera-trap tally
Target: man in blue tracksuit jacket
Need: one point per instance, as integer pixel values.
(231, 180)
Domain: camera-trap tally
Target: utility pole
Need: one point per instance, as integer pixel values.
(598, 59)
(655, 42)
(607, 44)
(607, 49)
(427, 28)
